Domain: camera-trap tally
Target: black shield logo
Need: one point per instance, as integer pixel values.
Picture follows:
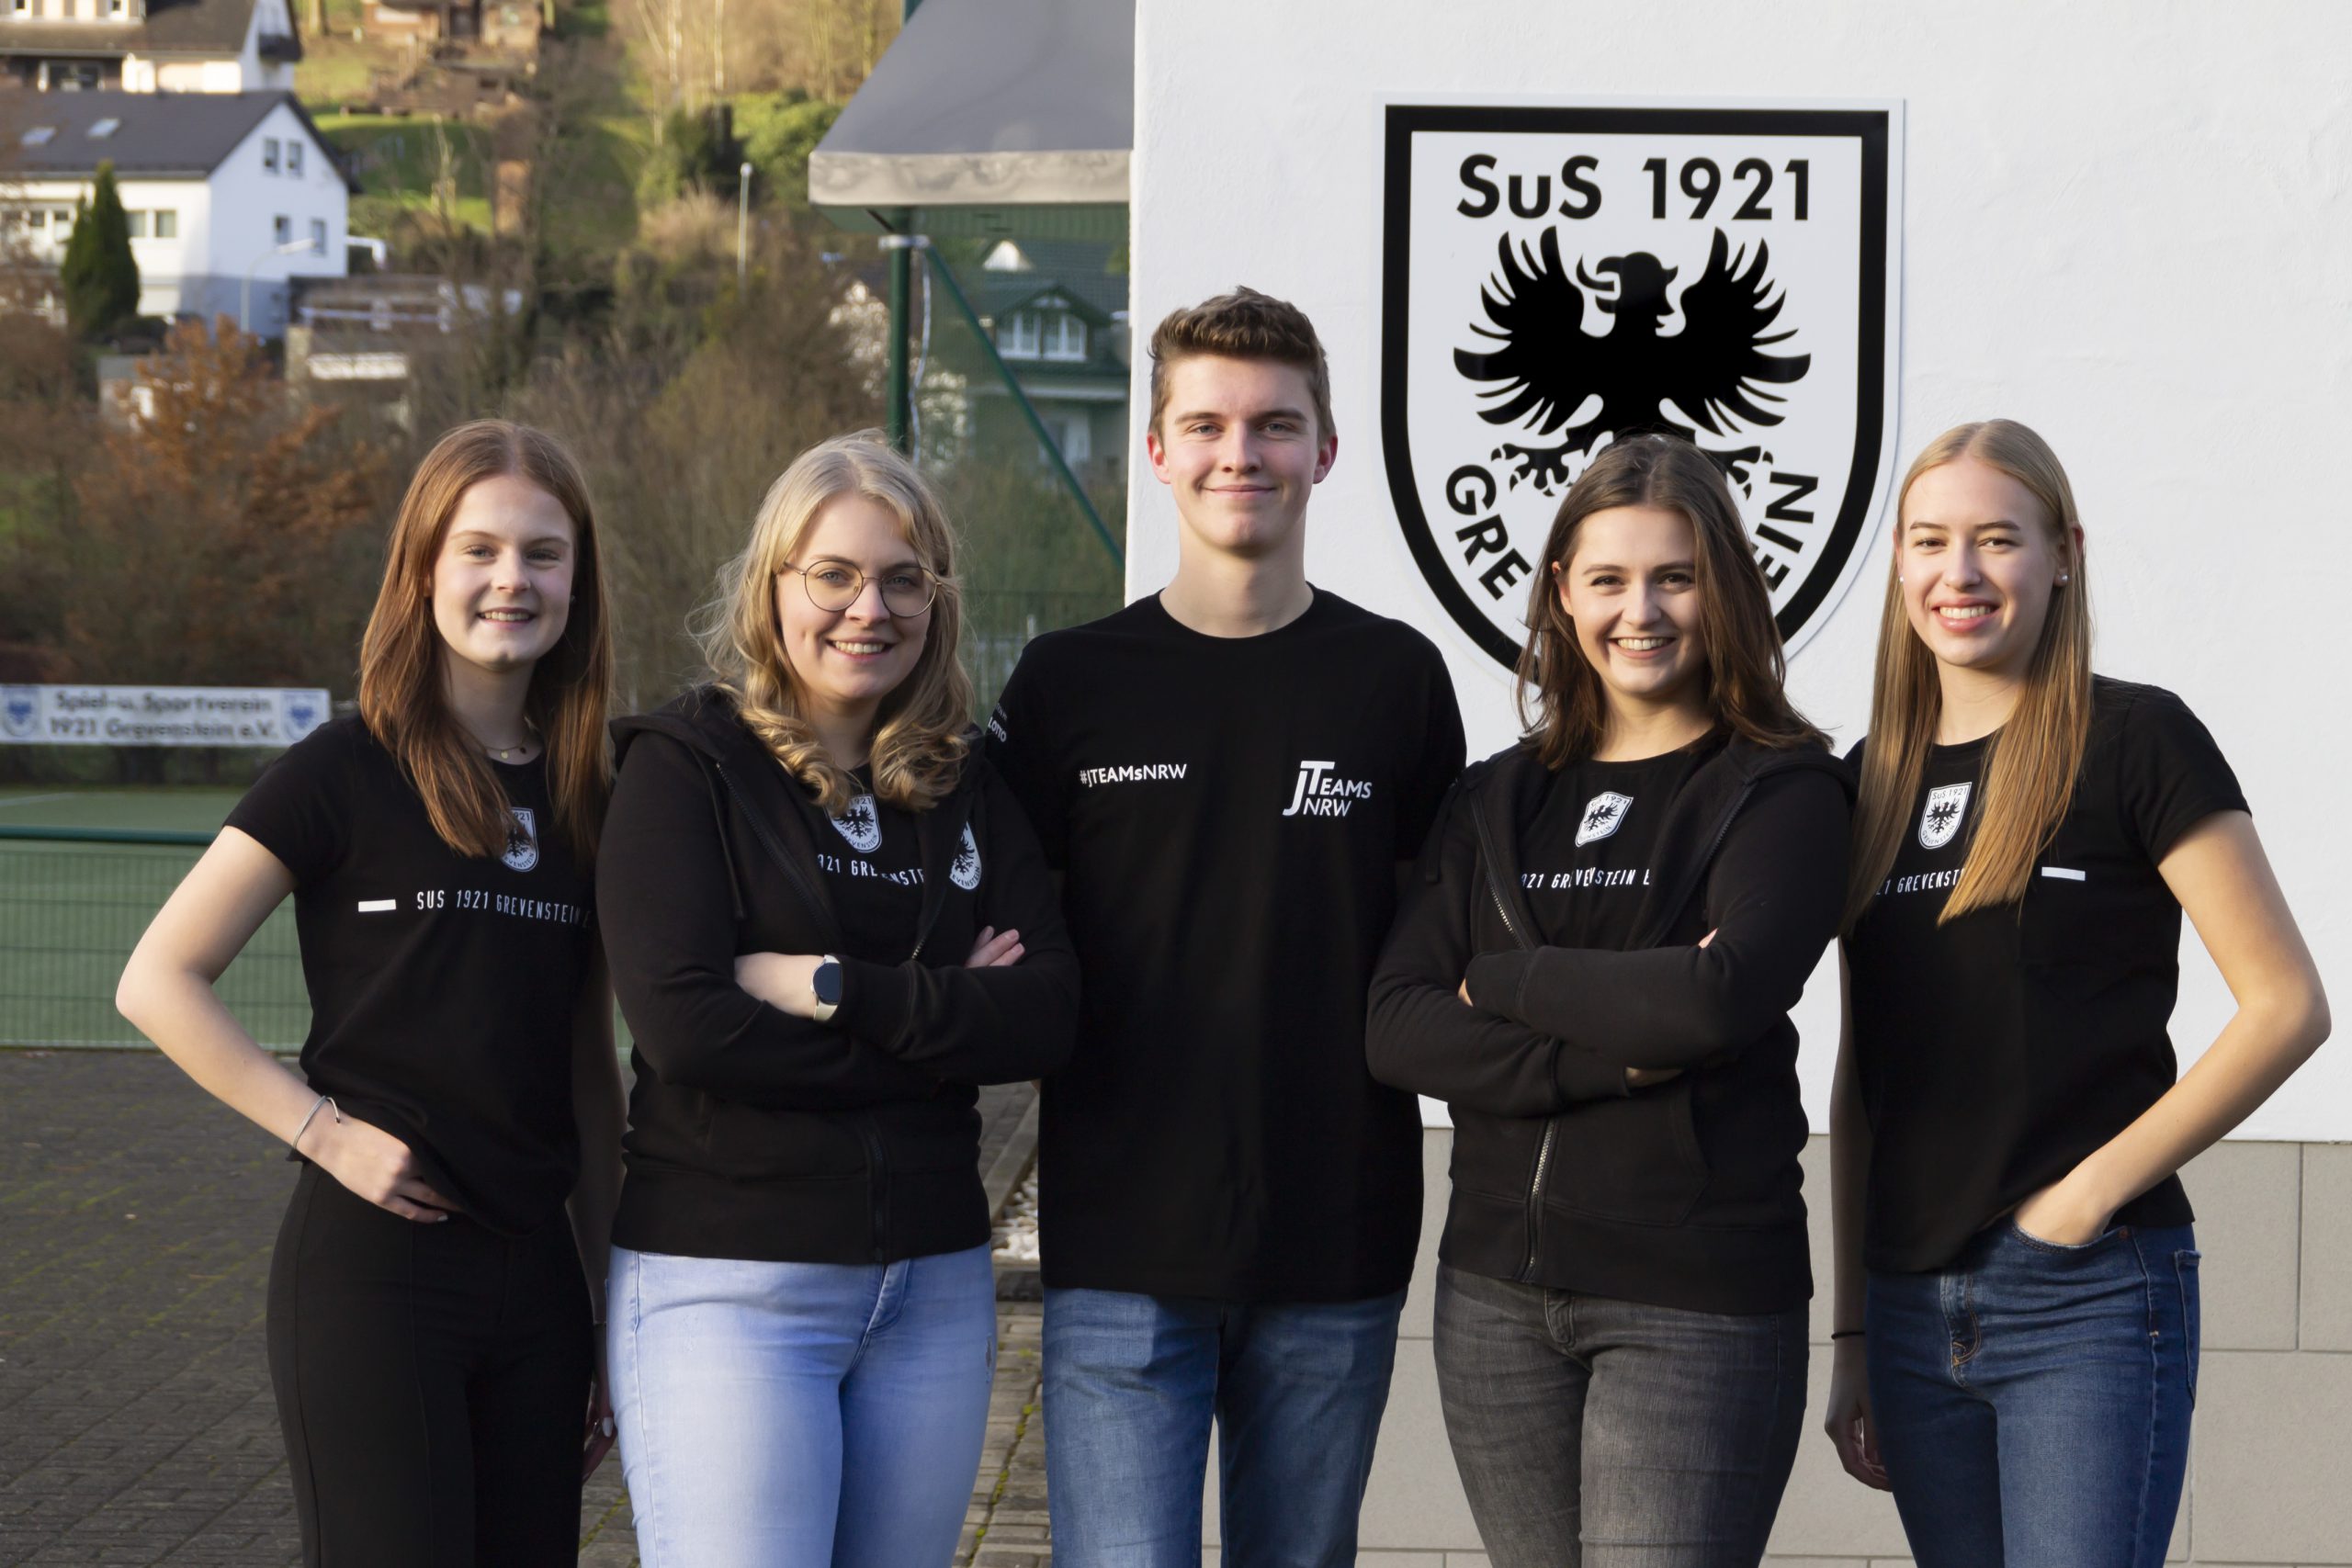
(1557, 278)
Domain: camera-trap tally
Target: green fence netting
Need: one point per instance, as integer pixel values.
(73, 904)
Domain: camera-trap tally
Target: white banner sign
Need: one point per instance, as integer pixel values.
(158, 716)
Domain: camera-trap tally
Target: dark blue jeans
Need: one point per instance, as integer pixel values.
(1132, 1382)
(2032, 1400)
(1594, 1433)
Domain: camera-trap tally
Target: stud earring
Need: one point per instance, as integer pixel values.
(2064, 578)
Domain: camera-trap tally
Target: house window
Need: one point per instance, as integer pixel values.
(293, 157)
(1017, 339)
(167, 224)
(319, 236)
(137, 221)
(269, 158)
(282, 229)
(1065, 337)
(1077, 440)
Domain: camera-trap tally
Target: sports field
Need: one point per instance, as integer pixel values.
(70, 912)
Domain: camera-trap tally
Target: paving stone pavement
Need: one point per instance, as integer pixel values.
(136, 1423)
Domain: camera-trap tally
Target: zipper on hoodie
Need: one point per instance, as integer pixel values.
(800, 883)
(877, 1182)
(1672, 906)
(1542, 1166)
(869, 1131)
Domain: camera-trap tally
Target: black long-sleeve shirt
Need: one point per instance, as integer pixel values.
(1572, 905)
(759, 1134)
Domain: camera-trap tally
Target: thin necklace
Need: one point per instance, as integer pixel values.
(503, 753)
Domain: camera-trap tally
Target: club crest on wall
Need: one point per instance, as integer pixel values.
(1558, 279)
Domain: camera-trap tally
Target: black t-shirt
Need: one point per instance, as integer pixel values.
(1229, 814)
(1586, 858)
(872, 862)
(1998, 1050)
(441, 986)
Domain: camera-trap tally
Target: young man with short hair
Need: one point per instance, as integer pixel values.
(1227, 773)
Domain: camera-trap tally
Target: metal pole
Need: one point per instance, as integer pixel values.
(900, 391)
(245, 289)
(742, 218)
(1021, 400)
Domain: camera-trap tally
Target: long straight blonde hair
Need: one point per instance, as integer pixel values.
(401, 698)
(2032, 762)
(919, 742)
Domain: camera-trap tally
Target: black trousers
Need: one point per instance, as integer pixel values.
(432, 1384)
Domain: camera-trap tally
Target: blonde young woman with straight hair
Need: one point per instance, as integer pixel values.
(430, 1332)
(828, 922)
(2016, 1285)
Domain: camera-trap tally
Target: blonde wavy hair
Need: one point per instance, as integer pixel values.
(921, 737)
(2030, 766)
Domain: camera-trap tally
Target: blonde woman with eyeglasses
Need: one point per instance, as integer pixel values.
(827, 922)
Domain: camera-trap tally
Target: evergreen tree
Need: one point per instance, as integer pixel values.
(99, 275)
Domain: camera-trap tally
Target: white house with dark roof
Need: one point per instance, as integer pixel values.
(230, 194)
(148, 46)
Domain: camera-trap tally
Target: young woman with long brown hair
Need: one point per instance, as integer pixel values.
(430, 1329)
(2016, 1285)
(1617, 914)
(828, 922)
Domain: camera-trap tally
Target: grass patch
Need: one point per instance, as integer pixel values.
(583, 19)
(338, 69)
(402, 153)
(398, 158)
(591, 185)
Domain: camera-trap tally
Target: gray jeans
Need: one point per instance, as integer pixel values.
(1593, 1433)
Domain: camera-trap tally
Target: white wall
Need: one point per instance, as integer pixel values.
(163, 264)
(2127, 224)
(245, 197)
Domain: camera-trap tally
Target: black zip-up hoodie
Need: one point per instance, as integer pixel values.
(757, 1134)
(1683, 1193)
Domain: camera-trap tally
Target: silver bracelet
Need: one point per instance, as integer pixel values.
(295, 1143)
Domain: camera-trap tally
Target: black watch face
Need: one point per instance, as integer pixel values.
(827, 983)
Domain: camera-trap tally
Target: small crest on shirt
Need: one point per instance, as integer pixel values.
(1604, 815)
(522, 840)
(966, 872)
(860, 825)
(1946, 809)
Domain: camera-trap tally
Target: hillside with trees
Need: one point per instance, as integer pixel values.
(210, 519)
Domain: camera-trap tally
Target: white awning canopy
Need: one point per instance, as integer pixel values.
(989, 117)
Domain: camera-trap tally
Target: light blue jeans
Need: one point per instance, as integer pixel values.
(800, 1414)
(2032, 1400)
(1132, 1383)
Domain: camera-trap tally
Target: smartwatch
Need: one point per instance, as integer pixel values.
(825, 984)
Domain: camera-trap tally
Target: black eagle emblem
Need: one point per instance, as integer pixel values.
(1940, 814)
(1600, 815)
(1545, 367)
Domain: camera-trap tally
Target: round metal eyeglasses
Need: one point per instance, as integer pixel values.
(835, 585)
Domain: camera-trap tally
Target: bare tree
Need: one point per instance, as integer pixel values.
(660, 30)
